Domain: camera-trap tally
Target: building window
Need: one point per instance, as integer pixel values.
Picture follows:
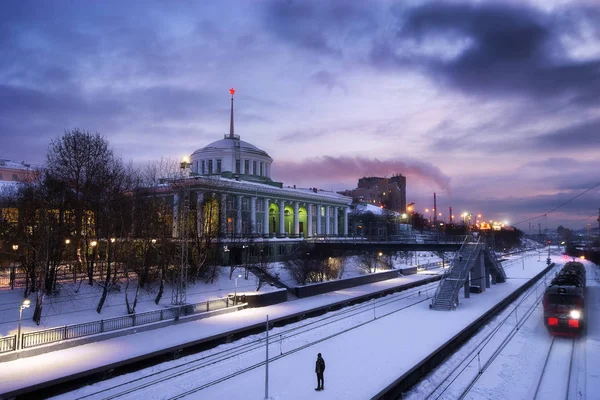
(246, 166)
(260, 206)
(254, 170)
(237, 166)
(245, 204)
(259, 226)
(218, 166)
(322, 211)
(210, 166)
(1, 178)
(15, 177)
(261, 168)
(203, 171)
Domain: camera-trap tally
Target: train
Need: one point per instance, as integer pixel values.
(564, 301)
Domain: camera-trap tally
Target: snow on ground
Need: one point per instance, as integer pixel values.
(360, 362)
(63, 362)
(516, 371)
(76, 303)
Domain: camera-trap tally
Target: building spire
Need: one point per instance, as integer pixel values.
(232, 91)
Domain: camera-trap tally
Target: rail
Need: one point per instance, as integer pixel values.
(68, 332)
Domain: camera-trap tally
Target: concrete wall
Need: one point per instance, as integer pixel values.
(319, 288)
(263, 299)
(408, 271)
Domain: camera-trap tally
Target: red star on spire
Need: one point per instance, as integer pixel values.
(232, 91)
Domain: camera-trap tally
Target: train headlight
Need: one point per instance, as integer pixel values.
(575, 314)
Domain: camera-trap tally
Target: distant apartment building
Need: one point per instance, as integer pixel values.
(11, 171)
(389, 193)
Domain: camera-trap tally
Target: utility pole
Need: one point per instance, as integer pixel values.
(179, 290)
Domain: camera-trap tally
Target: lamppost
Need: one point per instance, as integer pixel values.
(235, 293)
(25, 304)
(15, 247)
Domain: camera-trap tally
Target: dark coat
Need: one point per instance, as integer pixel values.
(320, 365)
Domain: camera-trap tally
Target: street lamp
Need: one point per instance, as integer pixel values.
(15, 247)
(235, 293)
(25, 304)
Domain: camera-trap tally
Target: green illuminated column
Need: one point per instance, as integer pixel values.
(309, 224)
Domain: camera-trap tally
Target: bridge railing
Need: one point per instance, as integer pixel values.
(409, 239)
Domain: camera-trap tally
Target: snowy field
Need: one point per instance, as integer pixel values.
(77, 302)
(364, 352)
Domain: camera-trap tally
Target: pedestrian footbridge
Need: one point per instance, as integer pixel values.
(473, 268)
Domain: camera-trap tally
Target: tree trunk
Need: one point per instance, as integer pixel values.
(106, 285)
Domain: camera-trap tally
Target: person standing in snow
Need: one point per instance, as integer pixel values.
(320, 369)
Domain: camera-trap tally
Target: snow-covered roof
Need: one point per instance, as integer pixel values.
(230, 144)
(8, 164)
(361, 208)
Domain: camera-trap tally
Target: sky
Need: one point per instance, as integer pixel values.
(492, 105)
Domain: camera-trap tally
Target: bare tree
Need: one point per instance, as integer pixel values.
(367, 262)
(82, 165)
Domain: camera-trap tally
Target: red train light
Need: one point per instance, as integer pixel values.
(552, 321)
(573, 323)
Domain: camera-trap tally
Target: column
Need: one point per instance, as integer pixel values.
(327, 224)
(281, 218)
(175, 232)
(319, 229)
(346, 209)
(253, 215)
(223, 215)
(238, 216)
(266, 219)
(296, 219)
(200, 213)
(336, 221)
(309, 224)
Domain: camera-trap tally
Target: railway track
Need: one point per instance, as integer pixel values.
(249, 354)
(556, 365)
(471, 362)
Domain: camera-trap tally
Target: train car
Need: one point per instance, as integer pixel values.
(564, 301)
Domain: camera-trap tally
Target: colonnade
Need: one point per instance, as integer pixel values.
(325, 226)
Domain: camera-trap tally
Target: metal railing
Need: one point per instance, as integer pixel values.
(462, 274)
(8, 343)
(53, 335)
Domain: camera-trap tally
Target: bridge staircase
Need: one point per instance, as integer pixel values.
(446, 295)
(495, 267)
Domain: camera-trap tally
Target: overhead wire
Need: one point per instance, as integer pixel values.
(559, 206)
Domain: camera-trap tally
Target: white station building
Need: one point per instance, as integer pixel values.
(228, 184)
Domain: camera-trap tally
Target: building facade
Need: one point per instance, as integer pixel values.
(389, 193)
(228, 185)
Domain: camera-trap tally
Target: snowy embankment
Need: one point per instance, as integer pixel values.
(360, 362)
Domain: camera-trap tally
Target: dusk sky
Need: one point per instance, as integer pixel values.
(493, 105)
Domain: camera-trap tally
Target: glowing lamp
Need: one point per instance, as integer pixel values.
(573, 323)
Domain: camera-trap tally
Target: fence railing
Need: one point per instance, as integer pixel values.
(8, 343)
(53, 335)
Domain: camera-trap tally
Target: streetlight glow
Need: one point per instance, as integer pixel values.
(24, 305)
(15, 247)
(235, 293)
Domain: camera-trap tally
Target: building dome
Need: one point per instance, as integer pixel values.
(232, 157)
(229, 143)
